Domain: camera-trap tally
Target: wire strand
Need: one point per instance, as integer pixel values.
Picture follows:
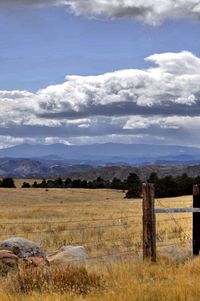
(173, 219)
(70, 222)
(128, 253)
(75, 229)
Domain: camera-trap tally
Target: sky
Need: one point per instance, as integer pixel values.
(98, 71)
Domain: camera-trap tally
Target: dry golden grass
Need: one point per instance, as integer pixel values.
(134, 281)
(106, 224)
(60, 279)
(57, 217)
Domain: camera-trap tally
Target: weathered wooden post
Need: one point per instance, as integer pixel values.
(196, 220)
(149, 223)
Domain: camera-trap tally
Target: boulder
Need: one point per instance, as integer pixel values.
(8, 261)
(22, 248)
(68, 254)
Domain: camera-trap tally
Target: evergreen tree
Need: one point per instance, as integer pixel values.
(167, 187)
(99, 183)
(153, 178)
(134, 186)
(116, 184)
(35, 184)
(26, 185)
(68, 183)
(43, 184)
(184, 184)
(7, 183)
(58, 183)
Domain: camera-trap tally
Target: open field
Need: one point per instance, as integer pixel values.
(110, 228)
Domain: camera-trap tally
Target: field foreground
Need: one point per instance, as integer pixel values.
(110, 228)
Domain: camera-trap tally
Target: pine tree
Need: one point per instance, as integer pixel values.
(134, 186)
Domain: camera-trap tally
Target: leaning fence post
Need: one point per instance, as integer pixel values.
(149, 223)
(196, 220)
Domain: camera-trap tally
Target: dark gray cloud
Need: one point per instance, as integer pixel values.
(127, 109)
(30, 2)
(149, 11)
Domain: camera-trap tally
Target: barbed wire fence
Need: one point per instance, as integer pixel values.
(142, 225)
(151, 243)
(123, 243)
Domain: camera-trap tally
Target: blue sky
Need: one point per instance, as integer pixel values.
(43, 44)
(33, 39)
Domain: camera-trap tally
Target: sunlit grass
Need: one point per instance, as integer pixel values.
(107, 225)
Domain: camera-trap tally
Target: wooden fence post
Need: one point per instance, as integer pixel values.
(149, 223)
(196, 220)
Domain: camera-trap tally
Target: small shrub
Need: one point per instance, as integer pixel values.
(54, 280)
(26, 185)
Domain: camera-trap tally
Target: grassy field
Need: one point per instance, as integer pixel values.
(109, 226)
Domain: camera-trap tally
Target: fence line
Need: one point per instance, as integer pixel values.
(118, 242)
(149, 220)
(77, 229)
(71, 222)
(99, 242)
(170, 219)
(84, 221)
(174, 219)
(101, 257)
(169, 245)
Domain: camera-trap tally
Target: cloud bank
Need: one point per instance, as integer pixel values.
(160, 103)
(151, 12)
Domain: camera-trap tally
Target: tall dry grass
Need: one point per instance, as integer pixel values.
(133, 281)
(107, 225)
(53, 279)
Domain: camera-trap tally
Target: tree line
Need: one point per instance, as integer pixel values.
(7, 183)
(168, 186)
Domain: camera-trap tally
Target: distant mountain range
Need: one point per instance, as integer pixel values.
(90, 161)
(97, 154)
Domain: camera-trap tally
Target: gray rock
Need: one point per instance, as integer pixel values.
(22, 248)
(68, 254)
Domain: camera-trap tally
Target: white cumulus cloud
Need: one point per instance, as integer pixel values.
(157, 100)
(171, 122)
(175, 80)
